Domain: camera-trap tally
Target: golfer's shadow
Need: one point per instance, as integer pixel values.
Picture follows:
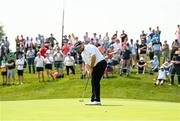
(116, 105)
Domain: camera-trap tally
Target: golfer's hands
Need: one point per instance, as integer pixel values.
(88, 69)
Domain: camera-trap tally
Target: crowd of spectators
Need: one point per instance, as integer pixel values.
(147, 54)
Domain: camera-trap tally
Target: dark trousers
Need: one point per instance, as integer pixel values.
(151, 55)
(72, 69)
(31, 64)
(97, 74)
(177, 71)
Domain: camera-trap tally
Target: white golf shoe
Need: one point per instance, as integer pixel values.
(93, 103)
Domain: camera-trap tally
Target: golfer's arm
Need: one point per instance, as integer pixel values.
(93, 60)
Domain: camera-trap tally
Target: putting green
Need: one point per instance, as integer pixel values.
(73, 110)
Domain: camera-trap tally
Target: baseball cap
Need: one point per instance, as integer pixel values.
(77, 46)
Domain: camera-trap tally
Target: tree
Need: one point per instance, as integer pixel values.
(1, 32)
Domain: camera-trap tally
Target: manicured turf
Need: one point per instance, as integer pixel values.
(73, 110)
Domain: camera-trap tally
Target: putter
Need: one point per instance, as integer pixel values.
(82, 96)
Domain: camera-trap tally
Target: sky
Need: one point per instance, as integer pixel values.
(33, 17)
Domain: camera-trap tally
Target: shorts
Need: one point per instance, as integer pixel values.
(160, 80)
(4, 73)
(48, 66)
(20, 72)
(10, 72)
(38, 69)
(58, 64)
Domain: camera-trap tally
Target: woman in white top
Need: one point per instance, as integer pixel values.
(20, 66)
(39, 61)
(161, 76)
(69, 63)
(48, 65)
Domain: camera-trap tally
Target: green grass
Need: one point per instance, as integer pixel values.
(132, 87)
(73, 110)
(132, 98)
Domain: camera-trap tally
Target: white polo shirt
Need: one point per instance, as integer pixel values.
(89, 51)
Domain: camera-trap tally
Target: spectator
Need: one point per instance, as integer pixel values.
(58, 61)
(20, 66)
(143, 36)
(65, 40)
(86, 38)
(176, 70)
(106, 41)
(123, 36)
(52, 40)
(141, 66)
(39, 61)
(100, 40)
(143, 50)
(80, 62)
(6, 43)
(116, 44)
(175, 45)
(102, 49)
(10, 71)
(66, 48)
(161, 76)
(18, 52)
(178, 33)
(30, 58)
(4, 70)
(114, 36)
(167, 66)
(165, 51)
(137, 46)
(125, 61)
(48, 65)
(133, 49)
(157, 48)
(69, 63)
(43, 50)
(150, 51)
(154, 65)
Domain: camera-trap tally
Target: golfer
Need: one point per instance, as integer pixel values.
(95, 65)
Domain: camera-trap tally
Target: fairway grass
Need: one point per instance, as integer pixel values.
(73, 110)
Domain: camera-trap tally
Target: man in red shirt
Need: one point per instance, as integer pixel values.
(66, 48)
